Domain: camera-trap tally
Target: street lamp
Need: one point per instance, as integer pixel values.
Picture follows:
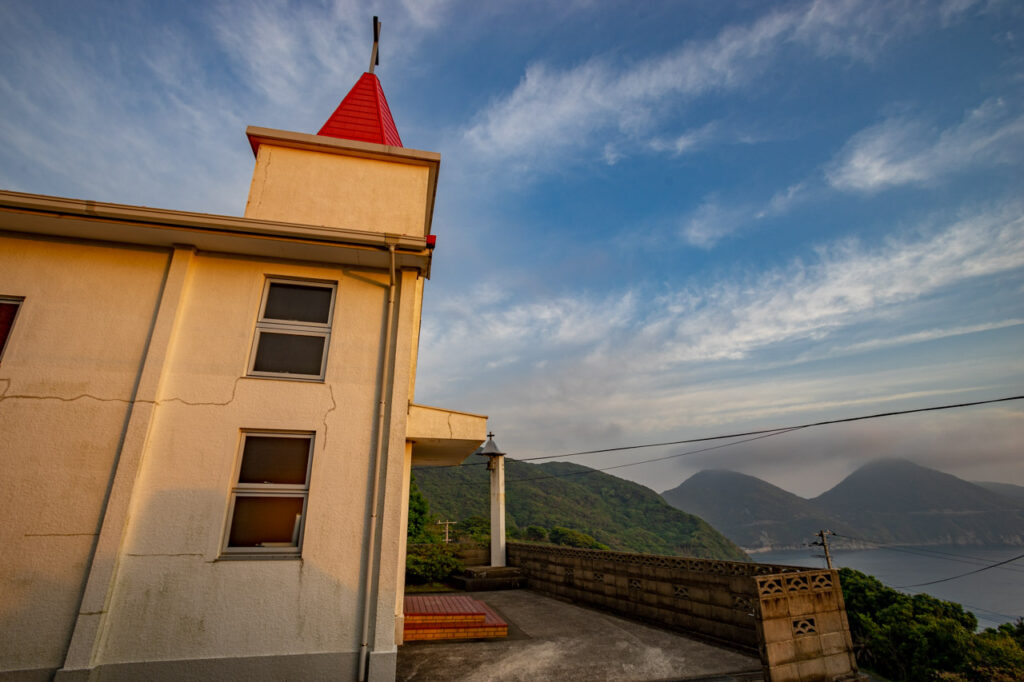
(496, 465)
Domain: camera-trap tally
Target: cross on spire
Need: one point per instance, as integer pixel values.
(374, 54)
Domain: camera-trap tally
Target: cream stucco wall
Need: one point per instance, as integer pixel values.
(173, 598)
(303, 186)
(66, 381)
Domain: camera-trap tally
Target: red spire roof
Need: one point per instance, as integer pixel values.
(363, 115)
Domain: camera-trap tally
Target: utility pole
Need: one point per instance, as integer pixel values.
(446, 524)
(823, 534)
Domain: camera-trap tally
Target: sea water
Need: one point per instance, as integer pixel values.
(995, 595)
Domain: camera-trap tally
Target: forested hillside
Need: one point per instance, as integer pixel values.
(621, 514)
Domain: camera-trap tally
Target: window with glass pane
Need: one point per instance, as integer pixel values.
(8, 311)
(268, 502)
(294, 330)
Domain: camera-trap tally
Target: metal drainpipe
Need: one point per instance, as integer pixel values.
(371, 563)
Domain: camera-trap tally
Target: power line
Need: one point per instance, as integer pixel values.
(783, 428)
(655, 459)
(759, 433)
(943, 580)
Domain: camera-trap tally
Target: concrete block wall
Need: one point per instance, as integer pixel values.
(793, 618)
(803, 627)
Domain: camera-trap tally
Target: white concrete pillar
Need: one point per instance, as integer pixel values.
(497, 468)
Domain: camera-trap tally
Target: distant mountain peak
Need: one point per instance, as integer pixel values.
(886, 500)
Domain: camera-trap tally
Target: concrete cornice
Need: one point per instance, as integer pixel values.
(334, 145)
(100, 221)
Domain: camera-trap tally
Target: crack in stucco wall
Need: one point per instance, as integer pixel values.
(334, 406)
(88, 396)
(160, 554)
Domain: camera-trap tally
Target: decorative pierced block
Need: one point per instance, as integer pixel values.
(598, 577)
(570, 573)
(821, 581)
(771, 586)
(680, 591)
(742, 603)
(804, 626)
(635, 584)
(797, 583)
(718, 567)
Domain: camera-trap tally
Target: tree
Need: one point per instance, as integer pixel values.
(419, 515)
(536, 534)
(574, 538)
(922, 638)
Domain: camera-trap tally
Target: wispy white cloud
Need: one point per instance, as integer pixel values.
(689, 141)
(555, 109)
(633, 355)
(903, 150)
(928, 335)
(712, 221)
(847, 281)
(783, 201)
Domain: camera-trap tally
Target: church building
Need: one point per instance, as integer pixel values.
(207, 422)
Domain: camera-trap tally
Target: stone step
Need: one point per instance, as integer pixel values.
(481, 578)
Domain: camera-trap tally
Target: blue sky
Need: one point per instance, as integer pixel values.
(655, 220)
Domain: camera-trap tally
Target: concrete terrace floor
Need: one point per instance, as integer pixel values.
(550, 639)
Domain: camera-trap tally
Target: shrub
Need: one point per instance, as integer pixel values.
(574, 538)
(536, 534)
(430, 563)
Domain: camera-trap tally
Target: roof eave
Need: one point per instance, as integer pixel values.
(161, 228)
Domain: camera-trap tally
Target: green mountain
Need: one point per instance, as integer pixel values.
(751, 512)
(887, 501)
(1007, 490)
(894, 500)
(624, 515)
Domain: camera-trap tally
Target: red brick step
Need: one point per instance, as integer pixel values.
(450, 617)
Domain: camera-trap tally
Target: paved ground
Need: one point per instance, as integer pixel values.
(554, 640)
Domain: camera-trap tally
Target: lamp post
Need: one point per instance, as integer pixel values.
(496, 465)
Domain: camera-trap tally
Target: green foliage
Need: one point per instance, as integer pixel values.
(474, 529)
(419, 515)
(574, 538)
(621, 514)
(430, 563)
(1014, 630)
(535, 534)
(921, 638)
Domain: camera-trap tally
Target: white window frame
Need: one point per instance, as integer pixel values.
(293, 328)
(20, 302)
(240, 489)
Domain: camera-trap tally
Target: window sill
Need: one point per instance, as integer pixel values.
(258, 557)
(287, 377)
